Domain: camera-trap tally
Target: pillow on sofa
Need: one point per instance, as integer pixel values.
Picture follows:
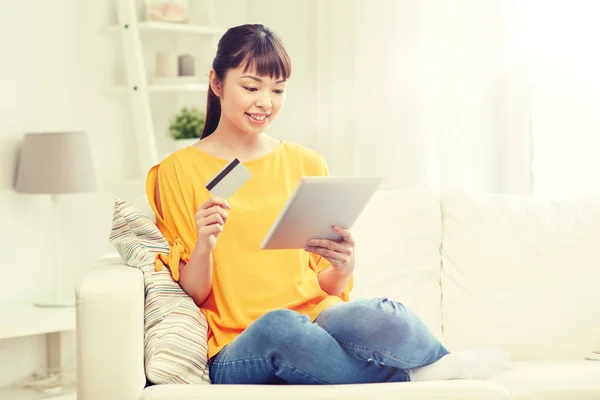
(175, 331)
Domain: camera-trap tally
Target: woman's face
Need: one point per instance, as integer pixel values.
(249, 102)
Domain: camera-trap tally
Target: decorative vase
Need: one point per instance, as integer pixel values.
(167, 10)
(186, 65)
(166, 64)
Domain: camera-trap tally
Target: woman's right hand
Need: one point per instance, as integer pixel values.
(210, 218)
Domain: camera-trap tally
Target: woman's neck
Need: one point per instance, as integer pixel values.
(228, 141)
(238, 141)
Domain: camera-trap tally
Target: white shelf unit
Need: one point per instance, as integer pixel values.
(19, 320)
(131, 29)
(167, 88)
(16, 393)
(152, 26)
(27, 320)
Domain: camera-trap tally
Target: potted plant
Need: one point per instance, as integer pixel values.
(186, 126)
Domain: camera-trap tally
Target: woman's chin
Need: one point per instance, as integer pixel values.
(250, 128)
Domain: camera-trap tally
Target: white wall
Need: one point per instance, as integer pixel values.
(565, 97)
(53, 64)
(55, 67)
(408, 91)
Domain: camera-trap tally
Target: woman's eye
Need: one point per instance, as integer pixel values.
(278, 91)
(250, 89)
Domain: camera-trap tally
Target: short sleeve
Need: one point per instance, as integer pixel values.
(324, 169)
(177, 222)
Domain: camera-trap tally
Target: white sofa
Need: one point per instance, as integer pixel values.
(480, 269)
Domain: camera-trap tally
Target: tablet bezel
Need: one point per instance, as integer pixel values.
(297, 205)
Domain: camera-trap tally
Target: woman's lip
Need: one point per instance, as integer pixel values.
(257, 122)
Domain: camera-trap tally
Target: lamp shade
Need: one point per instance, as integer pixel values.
(57, 162)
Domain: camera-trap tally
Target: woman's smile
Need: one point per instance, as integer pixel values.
(257, 119)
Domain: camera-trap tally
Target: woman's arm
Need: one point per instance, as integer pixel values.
(195, 276)
(334, 280)
(340, 255)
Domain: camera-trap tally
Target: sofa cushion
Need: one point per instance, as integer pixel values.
(398, 238)
(446, 390)
(552, 380)
(521, 273)
(175, 330)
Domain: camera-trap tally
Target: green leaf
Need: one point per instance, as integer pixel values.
(187, 124)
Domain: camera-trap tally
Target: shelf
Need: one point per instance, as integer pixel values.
(17, 393)
(151, 26)
(166, 88)
(17, 320)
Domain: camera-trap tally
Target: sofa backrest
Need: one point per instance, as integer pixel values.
(398, 238)
(142, 204)
(521, 273)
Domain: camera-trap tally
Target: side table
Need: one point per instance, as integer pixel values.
(19, 320)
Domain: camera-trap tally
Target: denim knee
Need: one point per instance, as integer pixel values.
(281, 328)
(364, 318)
(385, 305)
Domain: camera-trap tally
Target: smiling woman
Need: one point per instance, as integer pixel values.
(275, 315)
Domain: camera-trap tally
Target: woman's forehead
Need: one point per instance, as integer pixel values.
(251, 72)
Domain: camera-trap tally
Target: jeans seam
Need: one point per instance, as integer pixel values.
(225, 364)
(305, 373)
(388, 354)
(228, 363)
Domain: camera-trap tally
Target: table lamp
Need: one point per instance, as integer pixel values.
(55, 163)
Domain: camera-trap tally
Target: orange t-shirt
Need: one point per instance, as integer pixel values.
(247, 282)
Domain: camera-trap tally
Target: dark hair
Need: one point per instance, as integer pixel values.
(253, 45)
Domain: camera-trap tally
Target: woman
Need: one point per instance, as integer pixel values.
(278, 316)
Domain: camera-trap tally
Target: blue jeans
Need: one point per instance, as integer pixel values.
(361, 341)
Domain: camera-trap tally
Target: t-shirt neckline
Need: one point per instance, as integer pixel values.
(247, 162)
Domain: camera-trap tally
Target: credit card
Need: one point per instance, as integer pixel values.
(227, 181)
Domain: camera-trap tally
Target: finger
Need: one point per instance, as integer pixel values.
(216, 201)
(218, 210)
(205, 219)
(203, 213)
(214, 229)
(213, 219)
(329, 254)
(346, 235)
(331, 245)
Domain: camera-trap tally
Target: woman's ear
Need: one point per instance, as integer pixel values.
(215, 82)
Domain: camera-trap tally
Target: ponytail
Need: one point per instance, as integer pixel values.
(213, 113)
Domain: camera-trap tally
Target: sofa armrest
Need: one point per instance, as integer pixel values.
(110, 334)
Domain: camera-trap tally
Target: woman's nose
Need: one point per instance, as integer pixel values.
(264, 100)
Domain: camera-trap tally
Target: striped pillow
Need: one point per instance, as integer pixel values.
(175, 331)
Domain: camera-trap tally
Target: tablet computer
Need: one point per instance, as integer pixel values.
(315, 206)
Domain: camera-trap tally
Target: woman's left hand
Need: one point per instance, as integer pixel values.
(339, 254)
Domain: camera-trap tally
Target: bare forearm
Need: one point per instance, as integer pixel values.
(334, 281)
(196, 276)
